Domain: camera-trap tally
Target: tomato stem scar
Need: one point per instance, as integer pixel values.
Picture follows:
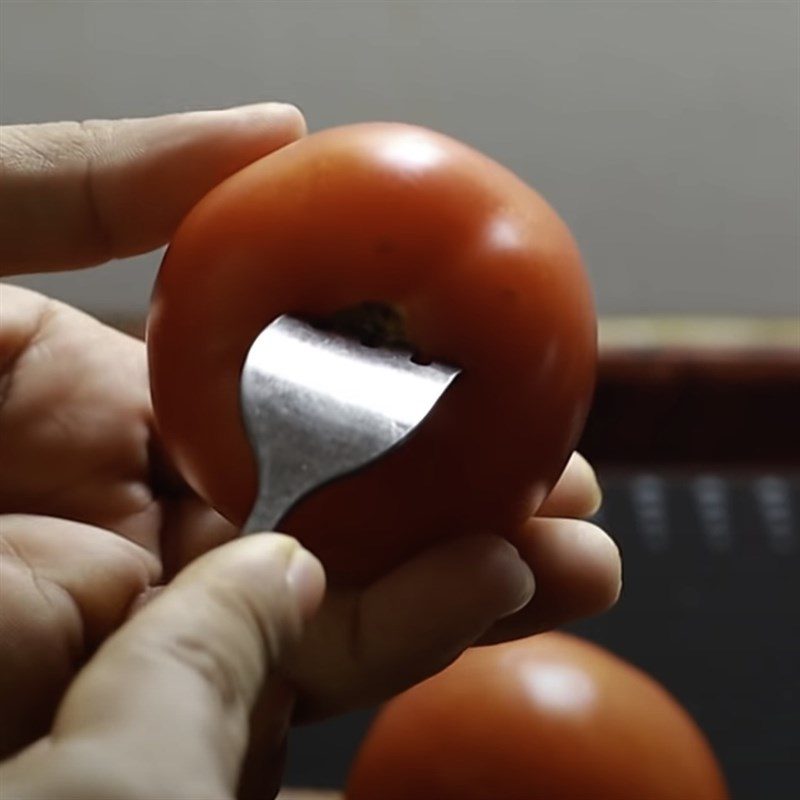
(374, 324)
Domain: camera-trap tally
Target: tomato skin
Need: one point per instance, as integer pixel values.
(485, 275)
(550, 717)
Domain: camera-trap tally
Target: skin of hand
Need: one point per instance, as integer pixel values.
(183, 700)
(93, 516)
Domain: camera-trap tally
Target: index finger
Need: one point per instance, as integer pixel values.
(77, 194)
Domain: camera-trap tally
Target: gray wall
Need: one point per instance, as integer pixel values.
(666, 133)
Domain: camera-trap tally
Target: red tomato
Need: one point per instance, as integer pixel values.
(551, 717)
(472, 268)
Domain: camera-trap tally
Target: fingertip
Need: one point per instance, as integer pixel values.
(591, 560)
(594, 496)
(285, 116)
(487, 569)
(578, 572)
(577, 492)
(594, 507)
(293, 117)
(509, 578)
(581, 465)
(601, 557)
(270, 554)
(580, 554)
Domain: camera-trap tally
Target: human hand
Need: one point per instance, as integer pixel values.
(368, 644)
(78, 444)
(92, 513)
(184, 700)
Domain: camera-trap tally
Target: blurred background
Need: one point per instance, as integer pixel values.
(665, 133)
(668, 136)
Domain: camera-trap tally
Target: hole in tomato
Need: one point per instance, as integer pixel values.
(371, 323)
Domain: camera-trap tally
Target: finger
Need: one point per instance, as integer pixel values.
(77, 194)
(66, 381)
(578, 574)
(577, 493)
(65, 586)
(174, 689)
(408, 625)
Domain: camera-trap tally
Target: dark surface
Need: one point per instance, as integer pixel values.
(711, 607)
(667, 405)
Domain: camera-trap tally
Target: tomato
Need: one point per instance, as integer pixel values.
(461, 259)
(551, 717)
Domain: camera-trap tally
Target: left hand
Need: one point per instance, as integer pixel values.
(96, 517)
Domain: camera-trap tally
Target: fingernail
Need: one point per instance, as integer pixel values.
(272, 110)
(270, 106)
(521, 581)
(306, 580)
(597, 502)
(597, 491)
(599, 547)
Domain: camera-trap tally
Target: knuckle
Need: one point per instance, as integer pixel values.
(94, 137)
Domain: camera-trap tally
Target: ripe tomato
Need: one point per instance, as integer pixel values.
(461, 260)
(551, 717)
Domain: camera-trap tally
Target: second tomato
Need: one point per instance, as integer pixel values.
(546, 718)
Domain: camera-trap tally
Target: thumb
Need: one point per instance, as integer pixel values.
(165, 705)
